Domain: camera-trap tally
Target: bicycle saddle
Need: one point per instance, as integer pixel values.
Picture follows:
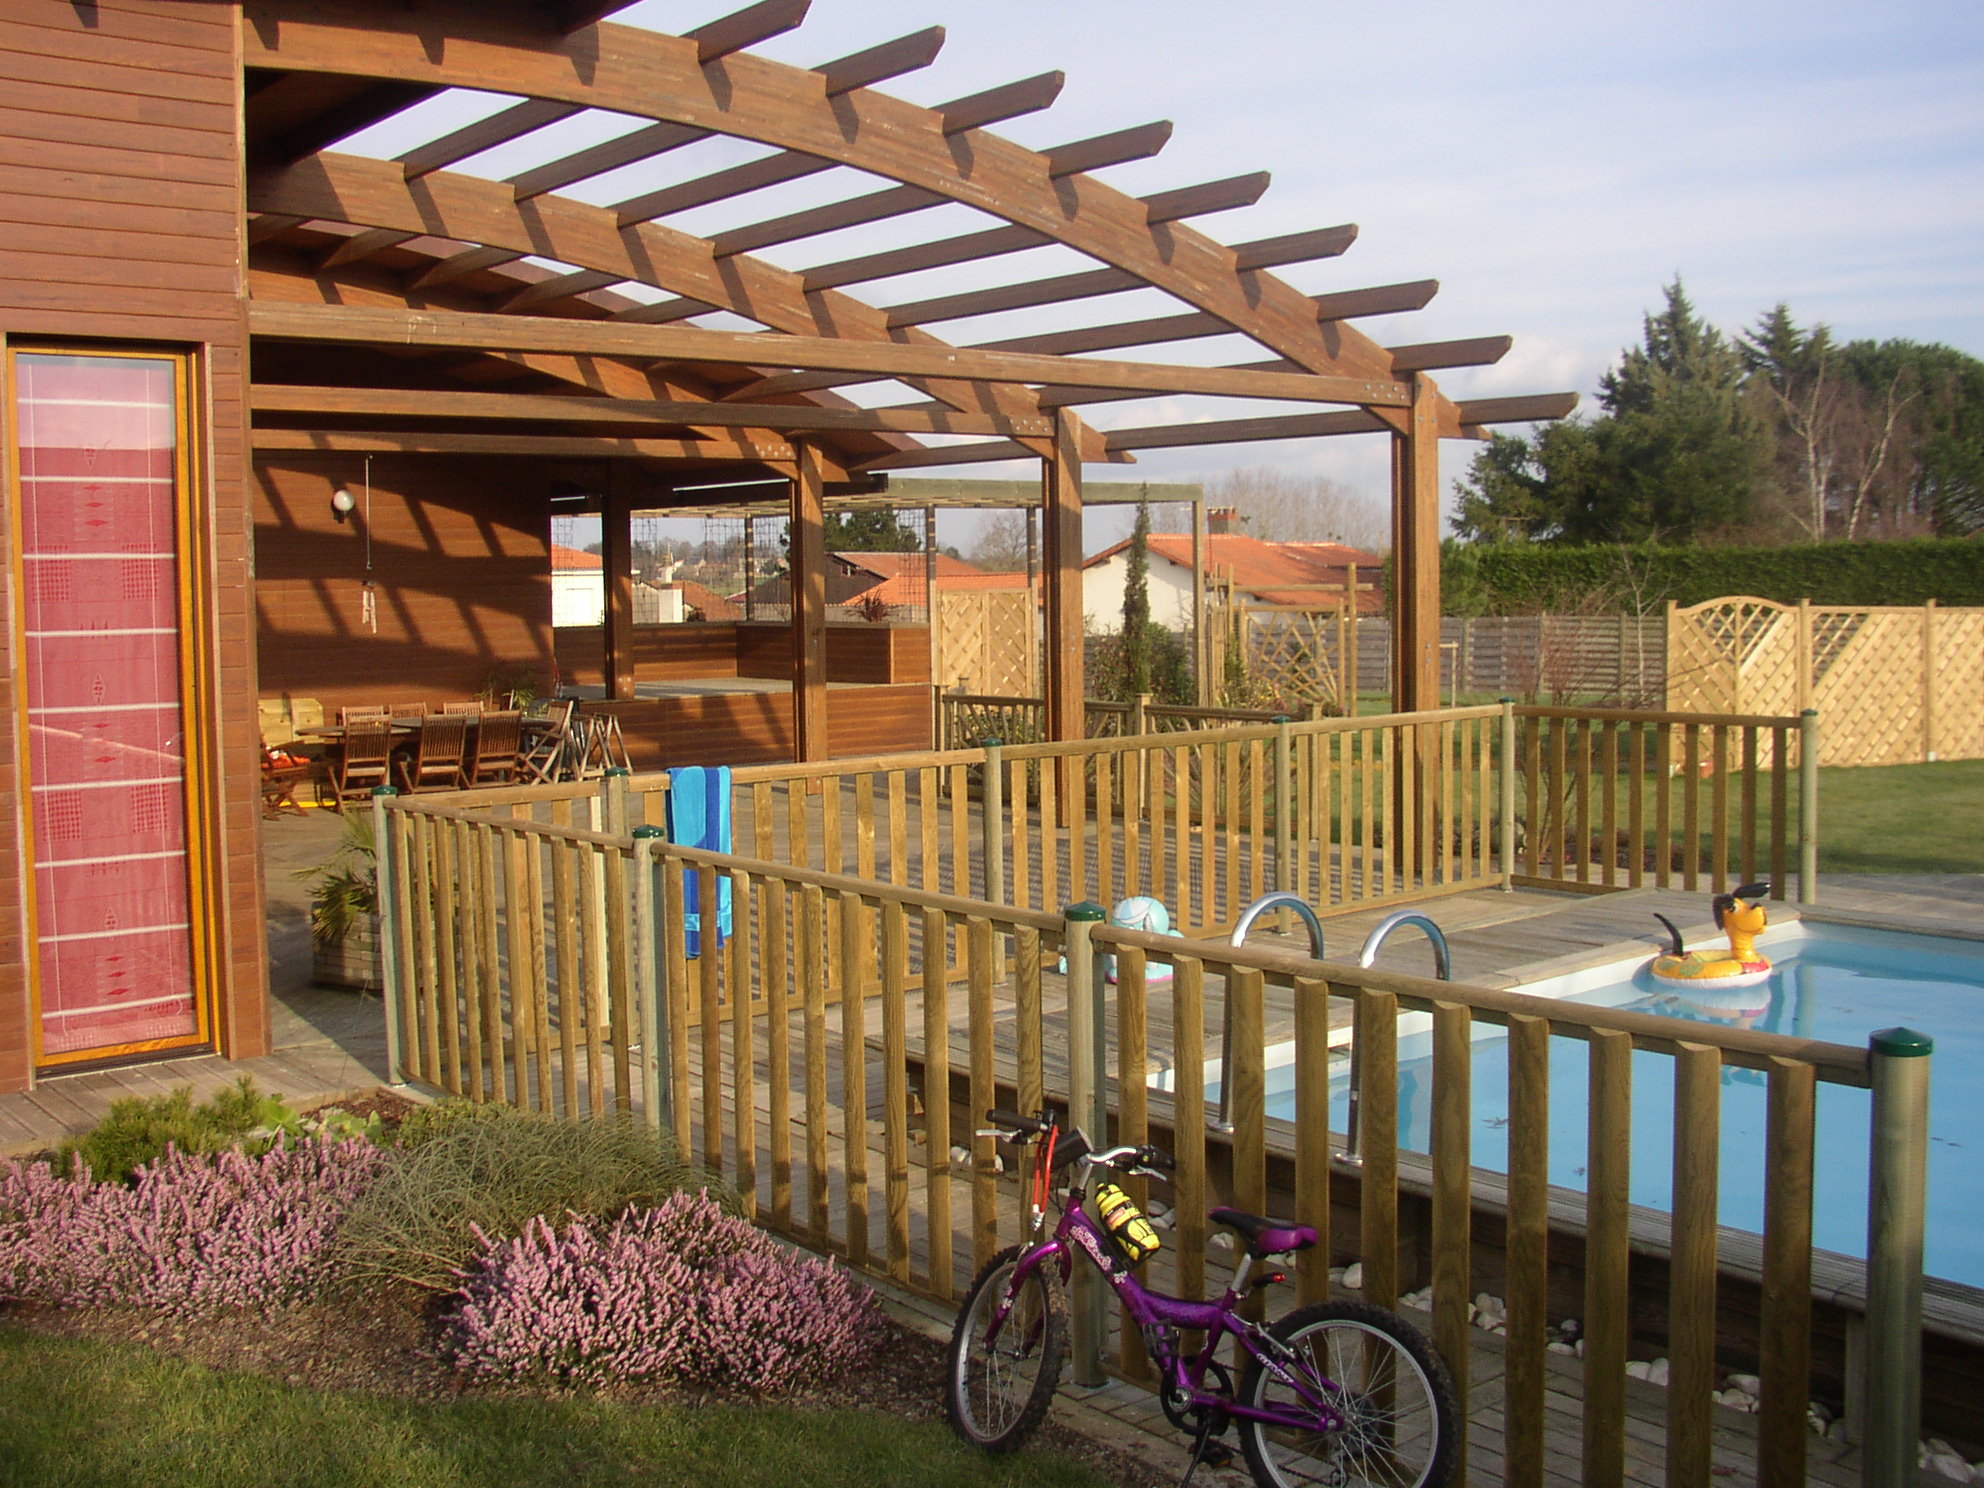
(1265, 1237)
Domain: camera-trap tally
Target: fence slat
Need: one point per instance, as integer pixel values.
(1453, 1216)
(1188, 1028)
(813, 989)
(895, 1086)
(1785, 1328)
(857, 962)
(773, 899)
(1312, 1134)
(984, 1186)
(1377, 1061)
(937, 1099)
(1607, 1328)
(1528, 1250)
(743, 1045)
(1692, 1279)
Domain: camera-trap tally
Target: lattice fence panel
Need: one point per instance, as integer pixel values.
(1869, 714)
(1887, 691)
(1959, 728)
(987, 642)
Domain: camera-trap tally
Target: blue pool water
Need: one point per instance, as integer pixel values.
(1830, 983)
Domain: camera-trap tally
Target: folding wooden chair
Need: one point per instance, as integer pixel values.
(547, 740)
(365, 761)
(436, 763)
(497, 744)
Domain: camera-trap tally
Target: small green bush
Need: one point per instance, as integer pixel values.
(464, 1176)
(140, 1127)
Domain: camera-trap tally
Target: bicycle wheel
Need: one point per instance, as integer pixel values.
(1377, 1372)
(999, 1383)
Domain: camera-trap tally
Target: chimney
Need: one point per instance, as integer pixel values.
(1223, 521)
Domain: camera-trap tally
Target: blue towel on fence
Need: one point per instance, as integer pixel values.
(699, 816)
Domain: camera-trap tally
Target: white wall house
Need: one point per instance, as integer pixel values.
(1265, 573)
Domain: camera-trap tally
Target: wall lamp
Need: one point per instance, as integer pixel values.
(342, 504)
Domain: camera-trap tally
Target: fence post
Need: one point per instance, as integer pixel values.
(1896, 1199)
(387, 897)
(613, 801)
(1088, 1109)
(1283, 880)
(1808, 806)
(1507, 809)
(656, 1087)
(991, 834)
(1138, 724)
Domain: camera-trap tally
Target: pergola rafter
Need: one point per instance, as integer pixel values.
(446, 273)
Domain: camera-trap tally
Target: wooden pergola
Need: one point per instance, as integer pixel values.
(413, 305)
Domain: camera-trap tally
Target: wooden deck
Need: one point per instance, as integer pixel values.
(331, 1044)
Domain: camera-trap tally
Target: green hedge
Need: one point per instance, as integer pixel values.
(1523, 578)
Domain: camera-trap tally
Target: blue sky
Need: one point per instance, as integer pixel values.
(1551, 164)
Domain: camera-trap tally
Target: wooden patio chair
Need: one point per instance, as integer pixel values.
(436, 762)
(362, 712)
(412, 710)
(498, 742)
(365, 760)
(282, 773)
(468, 706)
(546, 742)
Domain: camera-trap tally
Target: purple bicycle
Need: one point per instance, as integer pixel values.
(1337, 1393)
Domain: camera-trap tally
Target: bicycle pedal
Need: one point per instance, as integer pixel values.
(1216, 1455)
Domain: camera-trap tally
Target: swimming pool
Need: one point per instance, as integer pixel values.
(1830, 982)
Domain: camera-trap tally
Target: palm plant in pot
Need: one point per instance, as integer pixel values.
(344, 910)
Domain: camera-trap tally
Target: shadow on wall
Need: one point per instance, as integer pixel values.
(455, 553)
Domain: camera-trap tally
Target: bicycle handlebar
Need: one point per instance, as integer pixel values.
(1152, 1161)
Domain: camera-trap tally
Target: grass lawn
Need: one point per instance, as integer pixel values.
(77, 1414)
(1902, 818)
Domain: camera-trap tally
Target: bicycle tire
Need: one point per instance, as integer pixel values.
(997, 1396)
(1408, 1441)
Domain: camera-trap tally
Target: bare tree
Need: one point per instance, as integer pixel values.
(1288, 506)
(1001, 543)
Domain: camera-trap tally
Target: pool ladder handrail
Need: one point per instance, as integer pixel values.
(1280, 899)
(1443, 970)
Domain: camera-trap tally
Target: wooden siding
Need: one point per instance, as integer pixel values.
(120, 220)
(682, 653)
(461, 566)
(755, 728)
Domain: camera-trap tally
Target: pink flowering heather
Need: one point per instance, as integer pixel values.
(191, 1234)
(680, 1294)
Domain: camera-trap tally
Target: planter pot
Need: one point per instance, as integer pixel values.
(351, 962)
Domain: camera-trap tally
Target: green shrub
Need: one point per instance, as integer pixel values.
(489, 1174)
(140, 1127)
(1523, 578)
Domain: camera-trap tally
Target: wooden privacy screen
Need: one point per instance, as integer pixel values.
(1892, 685)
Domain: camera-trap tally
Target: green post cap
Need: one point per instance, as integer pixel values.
(991, 741)
(1902, 1043)
(1087, 910)
(1809, 713)
(1281, 718)
(1506, 699)
(618, 770)
(648, 831)
(385, 790)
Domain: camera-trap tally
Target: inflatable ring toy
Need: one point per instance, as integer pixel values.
(1741, 916)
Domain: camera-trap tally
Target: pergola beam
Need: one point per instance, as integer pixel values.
(350, 324)
(558, 446)
(551, 407)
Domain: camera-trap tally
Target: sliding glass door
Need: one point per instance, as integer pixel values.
(105, 633)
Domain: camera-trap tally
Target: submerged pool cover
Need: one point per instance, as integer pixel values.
(1830, 982)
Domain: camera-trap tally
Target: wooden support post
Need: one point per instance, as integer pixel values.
(1061, 514)
(617, 543)
(807, 581)
(1201, 657)
(1416, 552)
(930, 622)
(750, 566)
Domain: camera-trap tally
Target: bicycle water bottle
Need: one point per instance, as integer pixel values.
(1134, 1235)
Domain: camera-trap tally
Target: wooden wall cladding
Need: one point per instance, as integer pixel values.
(120, 221)
(755, 728)
(461, 571)
(873, 655)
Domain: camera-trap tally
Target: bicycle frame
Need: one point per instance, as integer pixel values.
(1219, 1320)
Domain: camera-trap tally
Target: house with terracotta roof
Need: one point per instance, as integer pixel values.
(898, 580)
(1262, 573)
